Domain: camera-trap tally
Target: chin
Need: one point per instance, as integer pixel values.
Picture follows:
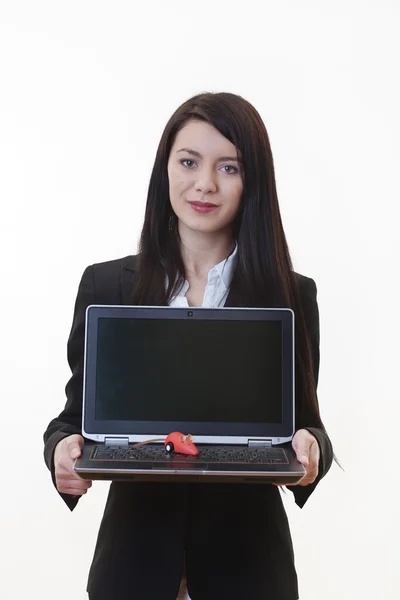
(203, 226)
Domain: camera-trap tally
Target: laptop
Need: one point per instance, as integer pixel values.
(223, 375)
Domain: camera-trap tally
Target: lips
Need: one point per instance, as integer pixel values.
(203, 204)
(203, 207)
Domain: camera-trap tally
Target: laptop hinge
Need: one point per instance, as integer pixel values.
(116, 441)
(260, 443)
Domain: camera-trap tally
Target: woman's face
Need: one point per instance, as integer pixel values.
(205, 185)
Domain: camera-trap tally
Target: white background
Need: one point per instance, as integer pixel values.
(85, 91)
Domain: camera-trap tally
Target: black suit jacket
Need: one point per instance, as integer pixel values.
(236, 537)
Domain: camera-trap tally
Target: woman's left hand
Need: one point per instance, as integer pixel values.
(307, 451)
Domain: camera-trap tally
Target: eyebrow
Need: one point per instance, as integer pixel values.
(194, 153)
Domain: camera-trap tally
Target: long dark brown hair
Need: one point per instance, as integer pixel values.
(264, 275)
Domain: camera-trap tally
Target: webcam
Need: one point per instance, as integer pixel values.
(190, 313)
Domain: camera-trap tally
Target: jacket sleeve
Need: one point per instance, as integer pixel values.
(69, 421)
(311, 314)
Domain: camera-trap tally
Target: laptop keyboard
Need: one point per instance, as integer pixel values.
(220, 454)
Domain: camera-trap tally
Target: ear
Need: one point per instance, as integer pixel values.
(182, 438)
(190, 437)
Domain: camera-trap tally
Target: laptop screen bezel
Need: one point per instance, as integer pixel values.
(139, 430)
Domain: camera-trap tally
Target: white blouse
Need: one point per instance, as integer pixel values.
(215, 295)
(218, 284)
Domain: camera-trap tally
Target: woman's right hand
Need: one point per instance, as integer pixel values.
(65, 453)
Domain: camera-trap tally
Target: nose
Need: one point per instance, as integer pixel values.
(205, 182)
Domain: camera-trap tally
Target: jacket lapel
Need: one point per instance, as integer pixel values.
(128, 278)
(129, 269)
(229, 302)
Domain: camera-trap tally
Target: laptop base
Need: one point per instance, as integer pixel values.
(206, 478)
(156, 465)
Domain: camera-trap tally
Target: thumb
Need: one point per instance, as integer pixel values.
(302, 454)
(74, 451)
(303, 458)
(74, 447)
(301, 446)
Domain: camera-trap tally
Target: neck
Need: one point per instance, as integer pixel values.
(202, 251)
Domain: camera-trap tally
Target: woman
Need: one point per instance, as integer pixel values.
(212, 236)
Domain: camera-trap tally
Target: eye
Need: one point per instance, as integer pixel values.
(230, 169)
(187, 162)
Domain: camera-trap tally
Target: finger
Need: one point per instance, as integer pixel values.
(301, 445)
(74, 446)
(72, 491)
(303, 459)
(78, 483)
(65, 468)
(74, 450)
(76, 437)
(74, 480)
(303, 452)
(66, 486)
(69, 476)
(313, 467)
(311, 473)
(315, 453)
(309, 477)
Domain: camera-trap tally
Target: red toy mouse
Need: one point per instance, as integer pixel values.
(180, 443)
(175, 442)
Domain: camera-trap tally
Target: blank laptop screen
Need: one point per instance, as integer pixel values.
(189, 370)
